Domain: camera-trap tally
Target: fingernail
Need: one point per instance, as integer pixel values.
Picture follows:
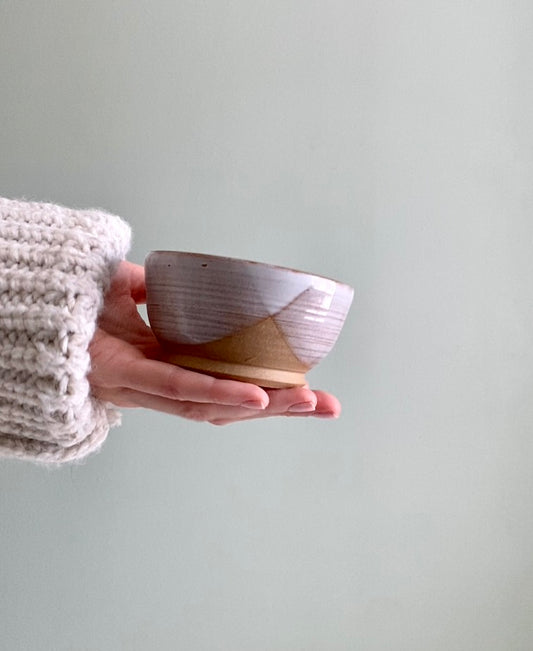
(325, 414)
(301, 407)
(254, 404)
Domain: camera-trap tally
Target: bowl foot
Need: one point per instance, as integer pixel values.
(270, 378)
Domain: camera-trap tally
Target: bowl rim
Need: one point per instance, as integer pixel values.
(210, 256)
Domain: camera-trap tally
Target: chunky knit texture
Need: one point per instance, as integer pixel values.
(55, 266)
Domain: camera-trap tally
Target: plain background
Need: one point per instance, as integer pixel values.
(386, 143)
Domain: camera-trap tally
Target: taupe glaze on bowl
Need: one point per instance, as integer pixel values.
(243, 320)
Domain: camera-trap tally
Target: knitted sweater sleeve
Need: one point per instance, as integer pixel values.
(55, 266)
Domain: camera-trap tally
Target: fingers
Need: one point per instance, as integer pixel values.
(328, 406)
(281, 404)
(174, 383)
(118, 365)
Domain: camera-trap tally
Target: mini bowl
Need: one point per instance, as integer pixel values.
(243, 320)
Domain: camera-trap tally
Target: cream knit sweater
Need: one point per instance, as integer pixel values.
(55, 266)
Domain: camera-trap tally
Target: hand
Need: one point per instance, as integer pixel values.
(127, 370)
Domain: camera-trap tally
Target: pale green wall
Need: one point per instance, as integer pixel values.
(386, 143)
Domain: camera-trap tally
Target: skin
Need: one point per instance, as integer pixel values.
(128, 370)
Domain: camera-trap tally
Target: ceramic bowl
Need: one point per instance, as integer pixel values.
(243, 320)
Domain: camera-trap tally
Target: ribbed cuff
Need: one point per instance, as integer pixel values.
(56, 264)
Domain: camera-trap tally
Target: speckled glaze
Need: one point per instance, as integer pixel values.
(240, 319)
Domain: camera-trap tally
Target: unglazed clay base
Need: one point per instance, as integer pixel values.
(264, 377)
(258, 354)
